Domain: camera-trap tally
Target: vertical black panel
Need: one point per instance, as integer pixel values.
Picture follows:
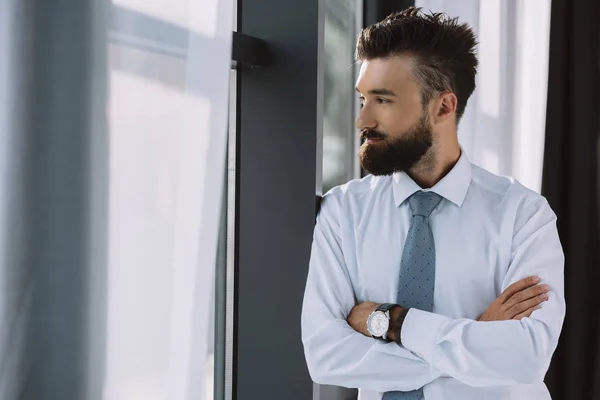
(278, 118)
(571, 185)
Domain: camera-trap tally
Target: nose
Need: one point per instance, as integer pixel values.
(365, 120)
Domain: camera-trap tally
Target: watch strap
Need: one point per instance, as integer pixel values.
(386, 307)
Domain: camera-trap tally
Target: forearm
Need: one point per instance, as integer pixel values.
(504, 352)
(337, 355)
(481, 353)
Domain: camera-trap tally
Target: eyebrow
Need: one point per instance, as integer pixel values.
(380, 92)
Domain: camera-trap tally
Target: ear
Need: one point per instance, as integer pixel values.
(445, 108)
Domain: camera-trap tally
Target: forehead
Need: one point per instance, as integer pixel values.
(392, 72)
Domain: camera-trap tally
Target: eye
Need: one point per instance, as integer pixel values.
(383, 101)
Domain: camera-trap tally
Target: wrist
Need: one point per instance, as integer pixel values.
(397, 315)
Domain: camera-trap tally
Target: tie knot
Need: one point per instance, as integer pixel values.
(423, 203)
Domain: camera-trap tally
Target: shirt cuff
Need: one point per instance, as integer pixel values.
(419, 332)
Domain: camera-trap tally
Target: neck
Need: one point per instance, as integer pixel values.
(435, 164)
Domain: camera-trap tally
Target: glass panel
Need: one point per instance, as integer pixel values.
(213, 380)
(222, 339)
(343, 20)
(340, 142)
(229, 281)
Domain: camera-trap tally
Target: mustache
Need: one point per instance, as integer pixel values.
(371, 134)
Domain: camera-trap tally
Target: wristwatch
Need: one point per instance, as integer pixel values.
(378, 322)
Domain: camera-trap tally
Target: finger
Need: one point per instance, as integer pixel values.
(517, 287)
(527, 304)
(527, 313)
(526, 294)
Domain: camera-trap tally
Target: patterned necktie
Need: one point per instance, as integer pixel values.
(417, 268)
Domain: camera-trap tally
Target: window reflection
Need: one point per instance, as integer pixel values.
(340, 143)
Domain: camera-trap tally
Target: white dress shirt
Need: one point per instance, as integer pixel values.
(489, 232)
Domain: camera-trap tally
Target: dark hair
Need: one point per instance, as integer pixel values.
(443, 50)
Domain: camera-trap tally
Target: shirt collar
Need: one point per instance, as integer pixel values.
(452, 187)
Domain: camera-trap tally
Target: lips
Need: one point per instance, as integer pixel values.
(372, 136)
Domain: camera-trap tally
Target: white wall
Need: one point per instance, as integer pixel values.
(504, 125)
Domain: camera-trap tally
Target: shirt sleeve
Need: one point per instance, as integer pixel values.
(335, 353)
(501, 352)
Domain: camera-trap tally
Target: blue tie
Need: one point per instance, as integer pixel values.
(417, 268)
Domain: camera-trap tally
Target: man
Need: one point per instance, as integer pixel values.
(431, 278)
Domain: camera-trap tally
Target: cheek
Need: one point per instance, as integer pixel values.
(397, 120)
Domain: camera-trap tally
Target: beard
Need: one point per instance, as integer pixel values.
(390, 155)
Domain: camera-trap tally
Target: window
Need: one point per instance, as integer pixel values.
(343, 20)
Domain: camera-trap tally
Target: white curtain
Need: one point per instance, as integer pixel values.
(113, 121)
(169, 63)
(504, 124)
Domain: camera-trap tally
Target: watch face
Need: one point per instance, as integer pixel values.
(378, 324)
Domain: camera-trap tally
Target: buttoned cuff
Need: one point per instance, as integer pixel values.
(420, 330)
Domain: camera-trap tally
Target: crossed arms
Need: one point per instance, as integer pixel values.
(477, 353)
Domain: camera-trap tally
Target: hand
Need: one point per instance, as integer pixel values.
(359, 315)
(518, 301)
